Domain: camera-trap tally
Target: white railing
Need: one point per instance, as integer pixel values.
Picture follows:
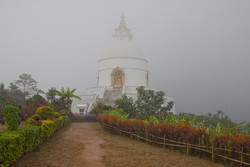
(123, 89)
(93, 90)
(101, 93)
(91, 104)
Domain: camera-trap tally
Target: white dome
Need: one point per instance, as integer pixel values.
(123, 56)
(122, 49)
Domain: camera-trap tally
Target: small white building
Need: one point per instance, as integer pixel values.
(122, 68)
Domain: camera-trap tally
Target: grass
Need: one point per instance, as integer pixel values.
(4, 127)
(123, 151)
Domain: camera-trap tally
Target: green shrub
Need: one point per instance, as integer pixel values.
(64, 120)
(45, 112)
(118, 113)
(29, 121)
(63, 112)
(14, 144)
(36, 117)
(49, 126)
(32, 122)
(11, 117)
(57, 114)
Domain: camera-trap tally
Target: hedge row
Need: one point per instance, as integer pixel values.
(14, 144)
(181, 132)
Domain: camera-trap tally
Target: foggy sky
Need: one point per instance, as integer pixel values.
(198, 51)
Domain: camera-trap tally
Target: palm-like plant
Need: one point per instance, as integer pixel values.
(67, 95)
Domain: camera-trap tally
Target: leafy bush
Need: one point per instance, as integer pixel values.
(57, 114)
(11, 117)
(29, 121)
(118, 113)
(100, 108)
(36, 117)
(181, 132)
(32, 122)
(14, 144)
(95, 110)
(126, 103)
(63, 112)
(45, 112)
(37, 100)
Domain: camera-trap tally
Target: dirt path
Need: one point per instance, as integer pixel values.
(78, 146)
(87, 145)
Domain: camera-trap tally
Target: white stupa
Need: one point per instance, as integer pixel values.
(122, 68)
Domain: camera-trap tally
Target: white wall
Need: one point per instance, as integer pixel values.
(135, 71)
(123, 63)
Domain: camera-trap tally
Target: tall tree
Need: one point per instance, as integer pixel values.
(150, 102)
(37, 101)
(51, 95)
(15, 93)
(27, 84)
(126, 103)
(2, 87)
(4, 97)
(4, 100)
(67, 95)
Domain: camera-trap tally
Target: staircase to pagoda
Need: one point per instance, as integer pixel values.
(110, 96)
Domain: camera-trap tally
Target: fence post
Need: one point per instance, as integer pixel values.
(164, 142)
(187, 148)
(241, 156)
(120, 132)
(212, 152)
(147, 137)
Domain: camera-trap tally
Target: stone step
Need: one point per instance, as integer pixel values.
(110, 96)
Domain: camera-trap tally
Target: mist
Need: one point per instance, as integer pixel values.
(197, 51)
